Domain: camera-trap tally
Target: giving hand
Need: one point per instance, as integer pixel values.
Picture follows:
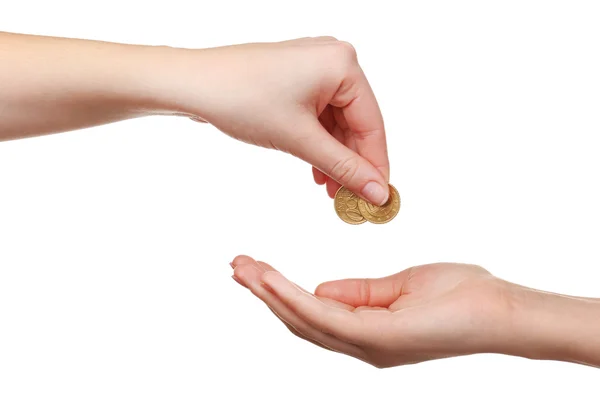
(307, 97)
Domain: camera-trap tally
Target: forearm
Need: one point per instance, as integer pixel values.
(50, 85)
(555, 327)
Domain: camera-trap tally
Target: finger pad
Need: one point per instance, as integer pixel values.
(242, 259)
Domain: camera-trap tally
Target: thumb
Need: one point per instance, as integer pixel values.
(381, 292)
(345, 166)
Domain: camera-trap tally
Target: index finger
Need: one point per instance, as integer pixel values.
(361, 116)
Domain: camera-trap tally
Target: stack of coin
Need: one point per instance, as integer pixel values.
(354, 210)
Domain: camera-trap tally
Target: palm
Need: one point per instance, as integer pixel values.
(439, 307)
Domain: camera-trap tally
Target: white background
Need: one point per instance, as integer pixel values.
(115, 241)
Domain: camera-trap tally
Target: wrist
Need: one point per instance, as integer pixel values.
(550, 326)
(174, 81)
(151, 80)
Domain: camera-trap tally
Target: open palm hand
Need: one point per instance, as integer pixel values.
(422, 313)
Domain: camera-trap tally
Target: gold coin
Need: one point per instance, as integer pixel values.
(346, 206)
(381, 214)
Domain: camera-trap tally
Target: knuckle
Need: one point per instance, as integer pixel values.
(345, 170)
(348, 50)
(342, 54)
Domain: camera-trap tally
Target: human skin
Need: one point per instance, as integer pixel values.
(430, 312)
(307, 97)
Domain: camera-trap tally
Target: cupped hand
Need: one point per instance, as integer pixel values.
(307, 97)
(422, 313)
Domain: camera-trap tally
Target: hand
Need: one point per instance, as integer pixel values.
(308, 97)
(422, 313)
(429, 312)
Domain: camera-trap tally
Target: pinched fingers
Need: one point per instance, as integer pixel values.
(357, 112)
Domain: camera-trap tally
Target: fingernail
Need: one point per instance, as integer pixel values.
(232, 266)
(375, 193)
(237, 280)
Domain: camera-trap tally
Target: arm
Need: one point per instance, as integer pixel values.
(429, 312)
(557, 327)
(53, 85)
(308, 97)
